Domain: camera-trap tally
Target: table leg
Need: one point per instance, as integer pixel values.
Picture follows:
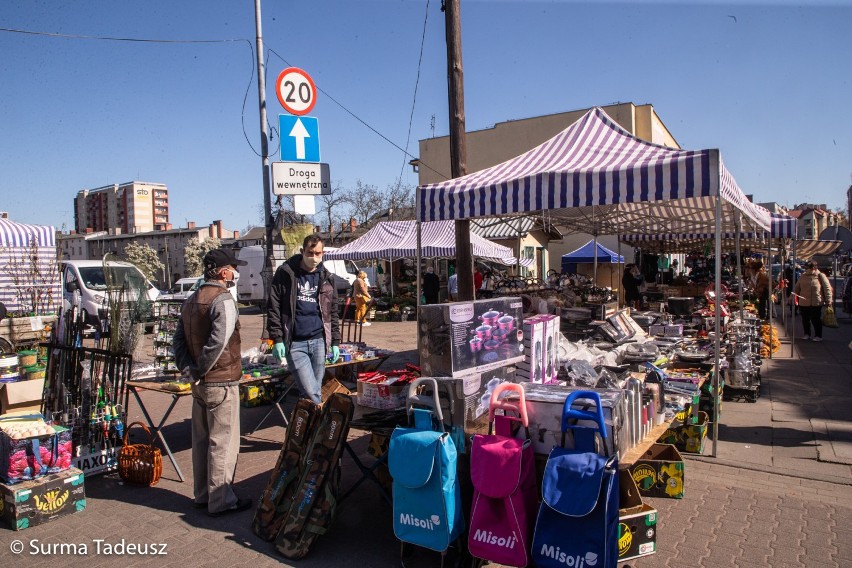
(366, 473)
(158, 428)
(276, 404)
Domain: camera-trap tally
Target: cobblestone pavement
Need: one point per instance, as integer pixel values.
(778, 493)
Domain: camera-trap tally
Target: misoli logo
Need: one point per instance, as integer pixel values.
(642, 472)
(625, 540)
(51, 501)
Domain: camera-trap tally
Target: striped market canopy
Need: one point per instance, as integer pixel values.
(398, 239)
(597, 177)
(14, 234)
(782, 227)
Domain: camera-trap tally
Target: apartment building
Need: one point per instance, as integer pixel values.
(128, 208)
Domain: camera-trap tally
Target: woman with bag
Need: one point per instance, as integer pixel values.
(814, 292)
(362, 298)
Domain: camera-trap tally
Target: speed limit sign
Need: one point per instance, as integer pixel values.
(296, 91)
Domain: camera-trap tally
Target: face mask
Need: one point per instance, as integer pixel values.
(235, 278)
(311, 261)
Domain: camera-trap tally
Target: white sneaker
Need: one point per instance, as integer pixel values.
(817, 339)
(366, 323)
(806, 337)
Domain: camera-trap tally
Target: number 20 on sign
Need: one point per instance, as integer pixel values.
(296, 91)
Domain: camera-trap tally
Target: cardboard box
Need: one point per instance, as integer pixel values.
(669, 330)
(659, 472)
(253, 395)
(688, 438)
(637, 521)
(22, 395)
(464, 338)
(41, 500)
(380, 395)
(544, 408)
(332, 386)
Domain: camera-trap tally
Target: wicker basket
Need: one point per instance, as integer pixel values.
(140, 463)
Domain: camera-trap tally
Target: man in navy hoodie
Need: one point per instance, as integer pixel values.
(302, 318)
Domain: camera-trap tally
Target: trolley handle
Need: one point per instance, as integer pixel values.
(431, 402)
(569, 413)
(520, 407)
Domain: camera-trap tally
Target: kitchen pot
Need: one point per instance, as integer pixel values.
(506, 322)
(500, 335)
(490, 317)
(475, 344)
(491, 344)
(483, 332)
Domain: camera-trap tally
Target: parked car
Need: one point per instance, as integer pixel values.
(181, 290)
(85, 284)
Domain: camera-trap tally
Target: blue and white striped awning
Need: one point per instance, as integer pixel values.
(398, 239)
(782, 227)
(14, 234)
(594, 169)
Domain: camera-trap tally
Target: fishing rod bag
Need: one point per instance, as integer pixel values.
(577, 522)
(422, 461)
(505, 493)
(276, 497)
(310, 511)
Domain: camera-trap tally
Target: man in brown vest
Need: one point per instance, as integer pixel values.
(207, 349)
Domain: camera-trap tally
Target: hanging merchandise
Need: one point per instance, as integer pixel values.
(426, 494)
(577, 523)
(505, 498)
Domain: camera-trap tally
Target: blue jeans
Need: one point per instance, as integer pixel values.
(306, 361)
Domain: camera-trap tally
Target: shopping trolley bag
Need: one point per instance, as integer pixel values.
(422, 461)
(505, 496)
(577, 522)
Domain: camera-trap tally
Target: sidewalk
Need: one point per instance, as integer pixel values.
(778, 494)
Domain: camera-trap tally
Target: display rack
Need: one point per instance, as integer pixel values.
(166, 313)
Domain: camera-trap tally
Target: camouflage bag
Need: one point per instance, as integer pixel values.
(313, 504)
(275, 501)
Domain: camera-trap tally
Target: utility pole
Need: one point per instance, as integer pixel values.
(264, 153)
(458, 149)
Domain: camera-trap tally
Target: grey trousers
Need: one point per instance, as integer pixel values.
(215, 443)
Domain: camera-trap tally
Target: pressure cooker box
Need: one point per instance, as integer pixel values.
(544, 408)
(463, 338)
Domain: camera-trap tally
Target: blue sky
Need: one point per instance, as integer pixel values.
(768, 83)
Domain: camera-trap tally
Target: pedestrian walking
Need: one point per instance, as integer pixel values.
(362, 298)
(302, 318)
(207, 349)
(814, 291)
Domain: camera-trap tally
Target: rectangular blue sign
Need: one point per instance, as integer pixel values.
(299, 138)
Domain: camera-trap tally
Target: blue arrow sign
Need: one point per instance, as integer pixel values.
(299, 138)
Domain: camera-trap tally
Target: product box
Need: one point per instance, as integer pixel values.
(41, 500)
(688, 438)
(253, 395)
(383, 395)
(464, 403)
(666, 330)
(464, 338)
(544, 409)
(541, 345)
(659, 472)
(21, 395)
(332, 386)
(637, 521)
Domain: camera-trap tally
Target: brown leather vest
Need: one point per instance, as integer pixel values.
(197, 328)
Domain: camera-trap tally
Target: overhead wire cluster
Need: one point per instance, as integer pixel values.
(404, 150)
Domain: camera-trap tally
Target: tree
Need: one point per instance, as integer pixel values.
(364, 201)
(400, 201)
(145, 258)
(193, 254)
(329, 207)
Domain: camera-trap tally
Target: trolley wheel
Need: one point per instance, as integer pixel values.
(6, 346)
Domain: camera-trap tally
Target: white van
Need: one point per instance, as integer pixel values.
(345, 269)
(181, 290)
(84, 281)
(250, 284)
